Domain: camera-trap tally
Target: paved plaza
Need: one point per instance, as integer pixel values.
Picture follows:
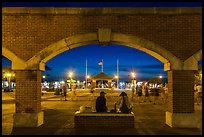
(59, 117)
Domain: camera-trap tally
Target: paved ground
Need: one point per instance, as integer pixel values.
(59, 117)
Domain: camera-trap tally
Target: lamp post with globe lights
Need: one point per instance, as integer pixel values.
(133, 78)
(87, 78)
(116, 77)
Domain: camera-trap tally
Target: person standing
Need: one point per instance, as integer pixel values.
(143, 92)
(165, 93)
(146, 93)
(92, 93)
(73, 91)
(133, 91)
(198, 93)
(101, 103)
(139, 94)
(64, 88)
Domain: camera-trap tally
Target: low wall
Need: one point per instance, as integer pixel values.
(95, 119)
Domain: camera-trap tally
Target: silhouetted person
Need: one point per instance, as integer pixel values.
(101, 103)
(64, 88)
(123, 104)
(92, 93)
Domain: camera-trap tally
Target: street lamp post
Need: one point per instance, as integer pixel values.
(70, 75)
(161, 78)
(133, 77)
(43, 78)
(87, 77)
(116, 77)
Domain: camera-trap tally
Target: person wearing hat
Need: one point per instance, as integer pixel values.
(123, 104)
(101, 103)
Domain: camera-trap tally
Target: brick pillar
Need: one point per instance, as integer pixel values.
(180, 105)
(28, 99)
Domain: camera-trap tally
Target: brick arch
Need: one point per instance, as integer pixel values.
(92, 38)
(192, 62)
(16, 61)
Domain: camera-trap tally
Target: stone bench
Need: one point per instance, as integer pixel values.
(107, 119)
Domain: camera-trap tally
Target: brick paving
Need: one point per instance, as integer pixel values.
(59, 118)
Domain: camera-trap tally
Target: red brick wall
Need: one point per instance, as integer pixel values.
(104, 121)
(26, 34)
(180, 93)
(28, 91)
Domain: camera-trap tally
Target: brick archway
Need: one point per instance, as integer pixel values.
(66, 44)
(172, 35)
(16, 61)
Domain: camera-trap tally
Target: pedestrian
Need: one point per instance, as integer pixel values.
(143, 92)
(101, 103)
(73, 91)
(198, 94)
(92, 93)
(64, 88)
(123, 104)
(165, 93)
(139, 94)
(162, 95)
(133, 91)
(146, 92)
(156, 95)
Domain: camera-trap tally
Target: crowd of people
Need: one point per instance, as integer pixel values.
(140, 93)
(145, 93)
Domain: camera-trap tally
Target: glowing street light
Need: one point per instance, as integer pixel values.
(70, 75)
(133, 74)
(43, 76)
(160, 77)
(8, 74)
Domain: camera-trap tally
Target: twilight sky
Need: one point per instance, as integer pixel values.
(130, 59)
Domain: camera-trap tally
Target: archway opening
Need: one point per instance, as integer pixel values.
(8, 75)
(129, 59)
(145, 66)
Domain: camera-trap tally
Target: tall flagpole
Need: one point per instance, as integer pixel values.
(117, 73)
(86, 73)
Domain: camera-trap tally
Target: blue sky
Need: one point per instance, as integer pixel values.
(129, 60)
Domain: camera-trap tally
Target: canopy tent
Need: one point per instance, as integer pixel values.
(102, 76)
(71, 81)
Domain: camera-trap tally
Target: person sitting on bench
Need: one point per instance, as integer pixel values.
(101, 103)
(123, 104)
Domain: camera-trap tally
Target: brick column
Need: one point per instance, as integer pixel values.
(180, 105)
(28, 99)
